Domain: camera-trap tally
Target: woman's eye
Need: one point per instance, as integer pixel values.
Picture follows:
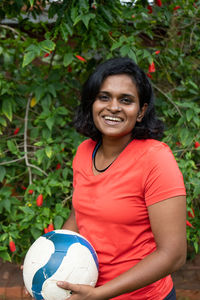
(103, 97)
(126, 100)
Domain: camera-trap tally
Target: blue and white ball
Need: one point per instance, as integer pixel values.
(60, 255)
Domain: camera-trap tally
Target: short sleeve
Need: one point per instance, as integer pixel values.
(163, 178)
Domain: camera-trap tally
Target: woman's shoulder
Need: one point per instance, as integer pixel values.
(151, 144)
(86, 146)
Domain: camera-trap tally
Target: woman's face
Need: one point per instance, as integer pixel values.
(116, 108)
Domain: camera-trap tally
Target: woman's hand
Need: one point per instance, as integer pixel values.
(79, 291)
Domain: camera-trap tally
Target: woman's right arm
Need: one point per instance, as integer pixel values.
(71, 224)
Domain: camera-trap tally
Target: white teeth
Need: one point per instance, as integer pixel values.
(112, 119)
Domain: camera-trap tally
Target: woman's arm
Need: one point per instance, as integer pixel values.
(168, 223)
(70, 224)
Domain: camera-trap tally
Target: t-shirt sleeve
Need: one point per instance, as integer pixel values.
(163, 178)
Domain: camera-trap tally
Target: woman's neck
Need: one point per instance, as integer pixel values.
(112, 147)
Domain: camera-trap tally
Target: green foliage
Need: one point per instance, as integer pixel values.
(45, 56)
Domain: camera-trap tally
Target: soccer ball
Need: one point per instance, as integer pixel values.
(59, 255)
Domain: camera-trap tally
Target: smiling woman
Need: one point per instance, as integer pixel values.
(129, 196)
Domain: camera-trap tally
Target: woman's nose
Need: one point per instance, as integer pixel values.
(114, 105)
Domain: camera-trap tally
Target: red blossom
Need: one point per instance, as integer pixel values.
(149, 75)
(178, 144)
(176, 7)
(47, 54)
(12, 246)
(30, 192)
(159, 2)
(150, 10)
(39, 200)
(80, 58)
(23, 187)
(50, 227)
(152, 68)
(189, 224)
(157, 52)
(191, 214)
(196, 145)
(46, 230)
(133, 16)
(16, 131)
(58, 166)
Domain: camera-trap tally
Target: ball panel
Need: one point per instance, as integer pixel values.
(35, 259)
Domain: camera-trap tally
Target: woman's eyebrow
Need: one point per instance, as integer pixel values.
(121, 95)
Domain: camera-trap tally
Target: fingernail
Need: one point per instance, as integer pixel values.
(60, 283)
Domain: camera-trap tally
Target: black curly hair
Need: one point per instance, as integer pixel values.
(150, 126)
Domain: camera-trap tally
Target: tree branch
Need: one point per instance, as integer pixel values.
(13, 30)
(25, 138)
(11, 161)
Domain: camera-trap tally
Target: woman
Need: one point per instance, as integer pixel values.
(129, 196)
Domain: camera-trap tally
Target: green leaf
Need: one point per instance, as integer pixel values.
(50, 122)
(39, 93)
(86, 19)
(189, 115)
(12, 147)
(58, 222)
(124, 50)
(5, 256)
(36, 233)
(2, 173)
(51, 89)
(48, 151)
(47, 45)
(3, 122)
(68, 58)
(28, 58)
(31, 2)
(7, 109)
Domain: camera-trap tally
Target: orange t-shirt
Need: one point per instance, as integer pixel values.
(111, 208)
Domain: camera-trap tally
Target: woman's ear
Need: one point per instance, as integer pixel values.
(142, 112)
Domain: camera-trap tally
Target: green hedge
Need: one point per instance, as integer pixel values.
(47, 49)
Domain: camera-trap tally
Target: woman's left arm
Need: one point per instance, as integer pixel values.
(168, 223)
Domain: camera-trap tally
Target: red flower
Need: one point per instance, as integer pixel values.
(133, 16)
(30, 192)
(178, 144)
(23, 187)
(150, 10)
(39, 200)
(176, 7)
(157, 52)
(196, 144)
(159, 2)
(47, 54)
(189, 224)
(152, 67)
(191, 214)
(50, 227)
(16, 131)
(46, 230)
(149, 75)
(12, 246)
(80, 58)
(58, 166)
